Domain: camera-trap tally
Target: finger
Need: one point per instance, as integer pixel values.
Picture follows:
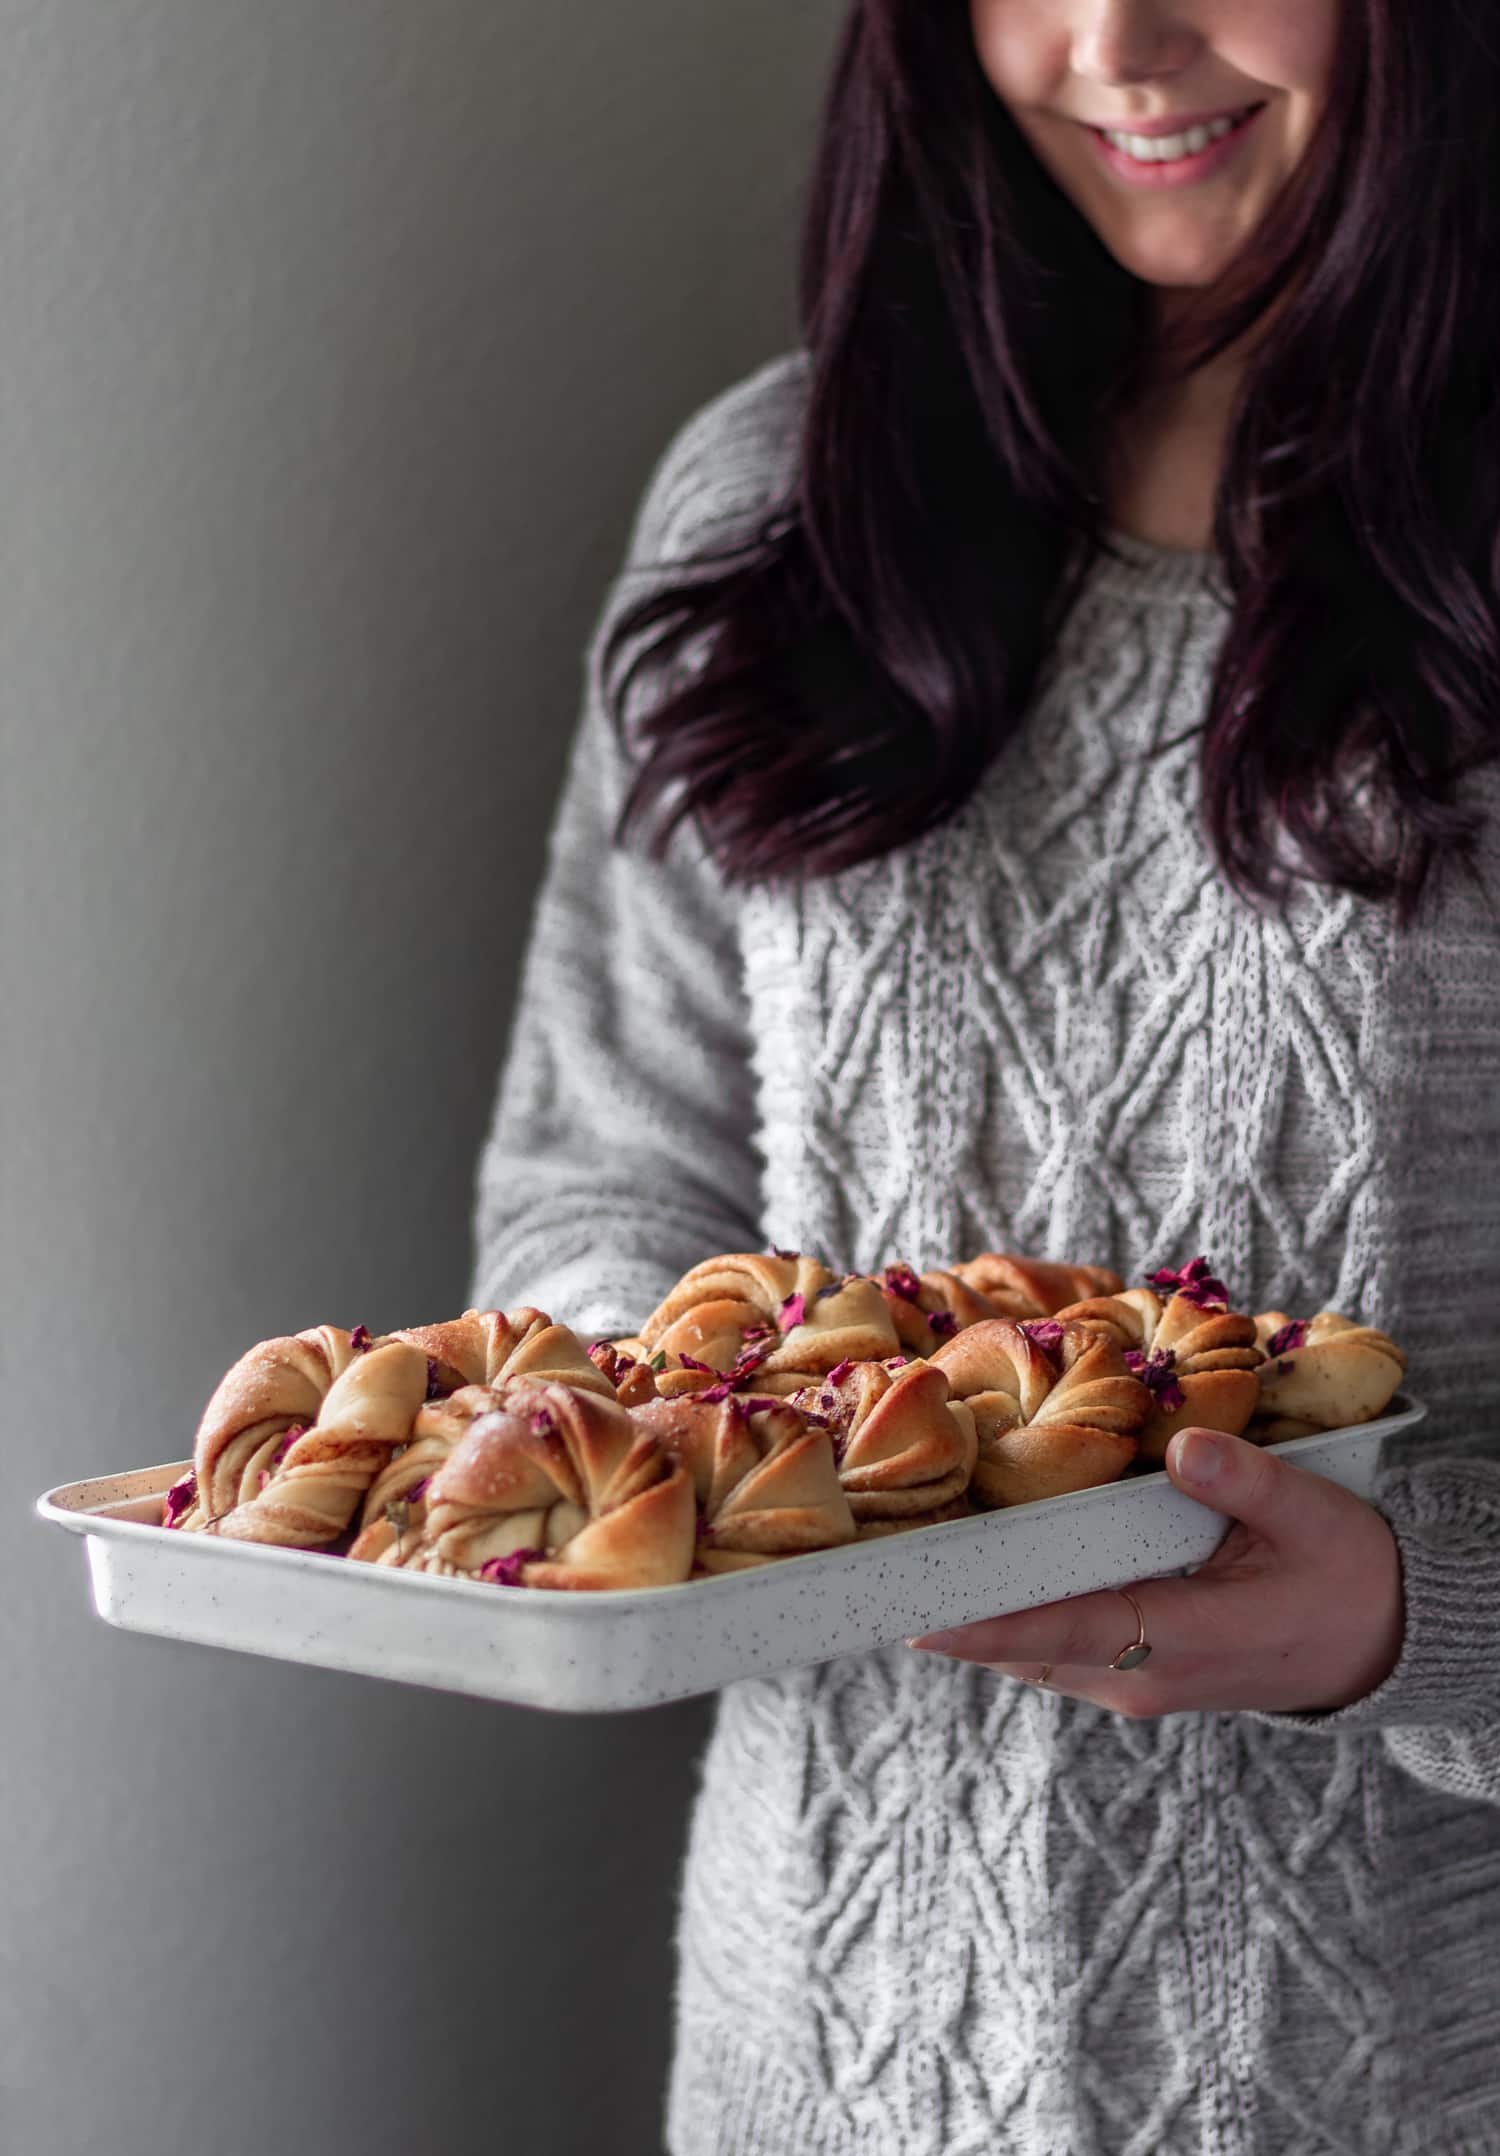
(1087, 1630)
(1135, 1696)
(1286, 1505)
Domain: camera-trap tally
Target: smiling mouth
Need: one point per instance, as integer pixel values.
(1155, 142)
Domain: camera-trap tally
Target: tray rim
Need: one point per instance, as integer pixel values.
(63, 1506)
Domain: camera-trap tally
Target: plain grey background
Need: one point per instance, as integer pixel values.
(338, 343)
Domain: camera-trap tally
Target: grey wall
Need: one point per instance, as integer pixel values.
(336, 345)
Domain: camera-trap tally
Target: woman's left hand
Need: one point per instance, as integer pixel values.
(1300, 1609)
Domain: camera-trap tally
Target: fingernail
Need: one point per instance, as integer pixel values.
(1200, 1456)
(934, 1642)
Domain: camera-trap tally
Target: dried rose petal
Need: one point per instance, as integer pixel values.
(897, 1362)
(773, 1252)
(758, 1332)
(1195, 1282)
(724, 1390)
(1291, 1335)
(841, 1370)
(434, 1385)
(793, 1312)
(1044, 1333)
(506, 1571)
(1158, 1373)
(943, 1323)
(289, 1438)
(359, 1339)
(541, 1421)
(691, 1362)
(416, 1489)
(180, 1498)
(902, 1281)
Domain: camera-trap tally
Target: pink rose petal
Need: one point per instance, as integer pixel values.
(506, 1571)
(1291, 1335)
(179, 1499)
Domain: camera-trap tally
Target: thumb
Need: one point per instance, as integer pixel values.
(1277, 1501)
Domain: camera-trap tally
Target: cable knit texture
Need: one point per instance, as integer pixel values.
(927, 1911)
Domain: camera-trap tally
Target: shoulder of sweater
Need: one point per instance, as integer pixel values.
(726, 465)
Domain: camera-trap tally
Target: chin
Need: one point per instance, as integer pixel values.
(1179, 266)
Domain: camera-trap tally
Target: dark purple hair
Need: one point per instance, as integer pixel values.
(863, 656)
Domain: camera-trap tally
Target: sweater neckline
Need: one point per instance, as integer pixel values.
(1135, 568)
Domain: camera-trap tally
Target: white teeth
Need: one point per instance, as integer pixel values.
(1162, 149)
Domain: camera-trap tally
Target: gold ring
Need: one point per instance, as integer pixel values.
(1138, 1651)
(1046, 1673)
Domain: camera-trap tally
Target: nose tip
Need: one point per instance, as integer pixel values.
(1126, 41)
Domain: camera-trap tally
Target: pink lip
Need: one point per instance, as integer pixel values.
(1181, 171)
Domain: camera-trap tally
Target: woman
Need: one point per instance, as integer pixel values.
(1070, 690)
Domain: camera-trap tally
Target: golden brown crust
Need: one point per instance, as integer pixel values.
(569, 1476)
(759, 1282)
(907, 1447)
(764, 1477)
(276, 1385)
(1022, 1288)
(400, 1487)
(316, 1490)
(1333, 1374)
(761, 1316)
(795, 1409)
(1048, 1421)
(485, 1347)
(1203, 1359)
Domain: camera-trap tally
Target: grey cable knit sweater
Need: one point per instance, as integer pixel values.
(928, 1911)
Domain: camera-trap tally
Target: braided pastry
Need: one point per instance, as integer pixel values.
(1321, 1373)
(928, 1308)
(906, 1449)
(313, 1492)
(1055, 1408)
(395, 1504)
(765, 1478)
(476, 1353)
(1197, 1357)
(260, 1405)
(779, 1319)
(556, 1488)
(1023, 1288)
(484, 1347)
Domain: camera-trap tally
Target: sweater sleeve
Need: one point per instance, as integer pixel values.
(1438, 1712)
(622, 1145)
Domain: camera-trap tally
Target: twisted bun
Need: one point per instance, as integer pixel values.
(1052, 1414)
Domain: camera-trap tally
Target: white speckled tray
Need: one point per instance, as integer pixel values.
(597, 1652)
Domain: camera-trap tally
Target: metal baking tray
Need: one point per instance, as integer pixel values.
(593, 1653)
